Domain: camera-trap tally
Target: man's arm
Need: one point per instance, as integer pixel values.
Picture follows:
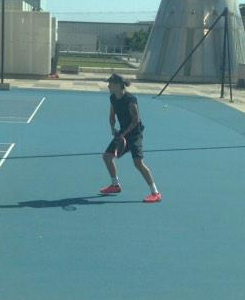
(134, 112)
(112, 120)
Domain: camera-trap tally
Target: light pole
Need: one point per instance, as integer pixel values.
(2, 85)
(2, 43)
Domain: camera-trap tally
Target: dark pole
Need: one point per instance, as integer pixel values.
(229, 57)
(224, 56)
(3, 31)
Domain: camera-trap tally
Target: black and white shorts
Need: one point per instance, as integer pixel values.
(134, 145)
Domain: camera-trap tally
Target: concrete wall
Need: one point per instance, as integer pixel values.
(18, 4)
(74, 41)
(36, 4)
(242, 9)
(109, 35)
(179, 27)
(26, 5)
(21, 5)
(13, 5)
(28, 43)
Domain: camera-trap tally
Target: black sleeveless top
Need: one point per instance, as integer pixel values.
(121, 108)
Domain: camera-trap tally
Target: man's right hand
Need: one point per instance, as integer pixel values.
(114, 131)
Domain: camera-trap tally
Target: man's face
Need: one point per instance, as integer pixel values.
(113, 87)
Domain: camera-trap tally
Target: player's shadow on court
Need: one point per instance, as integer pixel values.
(68, 204)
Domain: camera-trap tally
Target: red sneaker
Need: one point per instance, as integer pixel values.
(111, 189)
(153, 198)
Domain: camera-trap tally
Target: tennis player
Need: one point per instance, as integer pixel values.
(124, 106)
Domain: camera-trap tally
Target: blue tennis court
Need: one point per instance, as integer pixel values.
(61, 240)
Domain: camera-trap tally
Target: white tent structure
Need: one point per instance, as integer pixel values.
(179, 26)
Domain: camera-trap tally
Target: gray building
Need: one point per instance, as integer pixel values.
(179, 26)
(96, 36)
(24, 5)
(242, 9)
(36, 4)
(29, 39)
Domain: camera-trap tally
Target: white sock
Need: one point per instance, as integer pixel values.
(153, 188)
(115, 181)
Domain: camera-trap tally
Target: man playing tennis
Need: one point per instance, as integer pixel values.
(124, 106)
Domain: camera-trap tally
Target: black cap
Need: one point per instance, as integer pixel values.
(116, 78)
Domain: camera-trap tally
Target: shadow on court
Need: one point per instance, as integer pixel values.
(68, 204)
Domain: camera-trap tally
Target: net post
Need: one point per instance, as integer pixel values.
(229, 56)
(224, 56)
(3, 86)
(226, 52)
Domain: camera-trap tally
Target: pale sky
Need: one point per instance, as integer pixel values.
(105, 10)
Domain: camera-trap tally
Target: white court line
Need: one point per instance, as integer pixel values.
(11, 122)
(21, 118)
(6, 155)
(35, 111)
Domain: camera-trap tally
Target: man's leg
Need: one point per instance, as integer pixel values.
(144, 170)
(146, 173)
(110, 164)
(111, 167)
